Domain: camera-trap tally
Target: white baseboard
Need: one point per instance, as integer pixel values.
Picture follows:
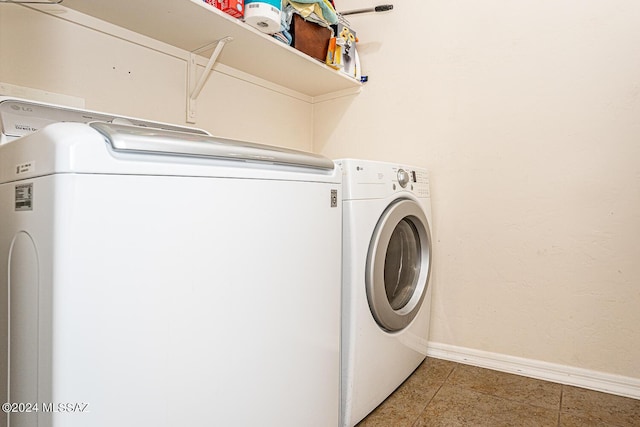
(569, 375)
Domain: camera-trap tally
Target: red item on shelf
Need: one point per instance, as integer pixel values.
(234, 8)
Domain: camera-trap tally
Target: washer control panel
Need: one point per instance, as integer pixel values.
(20, 117)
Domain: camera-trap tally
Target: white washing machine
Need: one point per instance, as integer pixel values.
(163, 277)
(386, 296)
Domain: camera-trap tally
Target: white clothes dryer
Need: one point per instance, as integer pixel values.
(386, 296)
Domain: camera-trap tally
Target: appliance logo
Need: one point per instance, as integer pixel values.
(19, 108)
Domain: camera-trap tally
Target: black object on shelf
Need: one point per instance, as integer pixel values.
(381, 8)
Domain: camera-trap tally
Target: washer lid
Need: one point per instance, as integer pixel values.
(134, 139)
(398, 265)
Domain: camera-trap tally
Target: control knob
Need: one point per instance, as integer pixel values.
(403, 178)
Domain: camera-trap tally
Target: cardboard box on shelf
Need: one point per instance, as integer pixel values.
(234, 8)
(214, 3)
(310, 38)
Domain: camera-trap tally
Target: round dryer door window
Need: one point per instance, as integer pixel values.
(398, 265)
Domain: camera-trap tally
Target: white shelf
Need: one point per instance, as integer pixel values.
(192, 24)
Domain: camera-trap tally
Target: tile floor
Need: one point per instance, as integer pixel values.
(443, 393)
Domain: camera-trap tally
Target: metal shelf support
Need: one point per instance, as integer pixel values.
(195, 87)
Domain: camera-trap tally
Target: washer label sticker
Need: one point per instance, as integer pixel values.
(334, 198)
(24, 197)
(25, 168)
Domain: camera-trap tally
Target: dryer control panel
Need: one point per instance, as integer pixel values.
(364, 179)
(412, 179)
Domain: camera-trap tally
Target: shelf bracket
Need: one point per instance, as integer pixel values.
(195, 87)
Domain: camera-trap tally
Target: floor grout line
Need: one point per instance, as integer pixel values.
(505, 398)
(560, 408)
(435, 394)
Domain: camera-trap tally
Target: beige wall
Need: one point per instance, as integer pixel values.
(128, 77)
(528, 115)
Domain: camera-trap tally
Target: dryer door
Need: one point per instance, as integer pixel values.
(398, 265)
